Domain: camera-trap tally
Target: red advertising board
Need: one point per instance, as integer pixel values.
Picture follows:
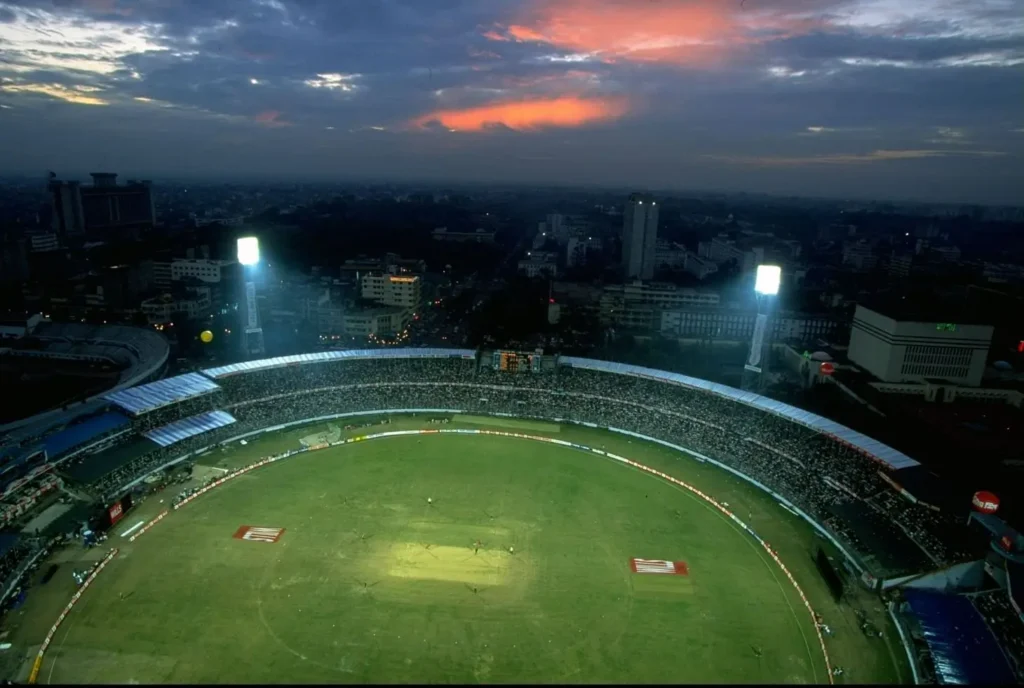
(116, 512)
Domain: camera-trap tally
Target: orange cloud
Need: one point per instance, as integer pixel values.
(684, 32)
(271, 118)
(527, 115)
(495, 36)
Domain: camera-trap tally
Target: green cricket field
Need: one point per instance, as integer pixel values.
(448, 558)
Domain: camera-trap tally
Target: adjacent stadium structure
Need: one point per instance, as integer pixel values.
(456, 515)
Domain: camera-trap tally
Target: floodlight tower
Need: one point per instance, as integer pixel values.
(252, 332)
(766, 289)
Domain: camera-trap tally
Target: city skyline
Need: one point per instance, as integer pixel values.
(858, 98)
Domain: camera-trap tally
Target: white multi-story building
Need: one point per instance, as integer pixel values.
(637, 305)
(160, 310)
(393, 290)
(376, 321)
(903, 348)
(731, 325)
(202, 269)
(639, 237)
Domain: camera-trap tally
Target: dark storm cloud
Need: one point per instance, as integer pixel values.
(688, 91)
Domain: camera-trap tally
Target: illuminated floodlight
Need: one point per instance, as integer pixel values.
(248, 250)
(768, 279)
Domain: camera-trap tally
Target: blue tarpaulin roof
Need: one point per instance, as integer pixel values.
(80, 433)
(962, 646)
(7, 541)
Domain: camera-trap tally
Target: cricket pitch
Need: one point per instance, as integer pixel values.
(488, 567)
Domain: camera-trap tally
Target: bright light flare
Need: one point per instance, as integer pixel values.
(768, 279)
(248, 250)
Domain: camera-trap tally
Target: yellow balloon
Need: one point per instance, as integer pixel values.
(206, 336)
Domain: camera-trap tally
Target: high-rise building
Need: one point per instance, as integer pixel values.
(104, 210)
(639, 236)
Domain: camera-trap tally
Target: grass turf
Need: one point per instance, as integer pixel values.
(371, 583)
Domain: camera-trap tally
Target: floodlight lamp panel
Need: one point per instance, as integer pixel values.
(248, 250)
(768, 279)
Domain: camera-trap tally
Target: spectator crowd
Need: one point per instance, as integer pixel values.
(814, 471)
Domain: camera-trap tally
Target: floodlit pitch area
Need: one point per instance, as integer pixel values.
(517, 569)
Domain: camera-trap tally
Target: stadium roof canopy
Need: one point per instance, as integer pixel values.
(962, 646)
(883, 453)
(142, 350)
(323, 356)
(80, 433)
(144, 398)
(189, 427)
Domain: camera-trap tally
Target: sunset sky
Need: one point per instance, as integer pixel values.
(915, 99)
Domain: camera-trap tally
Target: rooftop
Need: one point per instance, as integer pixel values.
(928, 309)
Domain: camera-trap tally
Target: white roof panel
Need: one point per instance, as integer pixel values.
(883, 453)
(322, 356)
(148, 397)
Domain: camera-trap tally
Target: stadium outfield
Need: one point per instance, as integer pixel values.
(809, 465)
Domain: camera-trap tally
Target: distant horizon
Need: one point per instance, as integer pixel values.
(681, 192)
(438, 184)
(838, 99)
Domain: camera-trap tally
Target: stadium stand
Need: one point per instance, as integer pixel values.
(888, 549)
(89, 468)
(20, 468)
(149, 397)
(962, 647)
(841, 479)
(920, 485)
(997, 609)
(796, 453)
(142, 352)
(189, 427)
(84, 432)
(873, 448)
